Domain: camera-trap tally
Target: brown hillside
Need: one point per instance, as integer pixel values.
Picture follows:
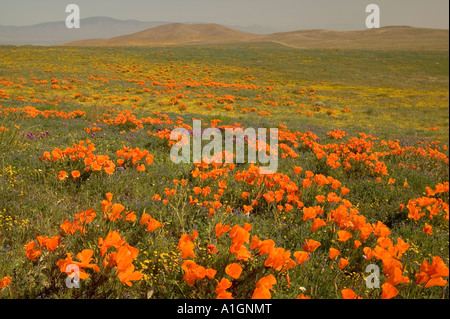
(386, 38)
(172, 34)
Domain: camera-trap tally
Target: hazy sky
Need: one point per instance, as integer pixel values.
(277, 14)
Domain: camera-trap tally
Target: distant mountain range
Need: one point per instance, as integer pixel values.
(56, 33)
(104, 31)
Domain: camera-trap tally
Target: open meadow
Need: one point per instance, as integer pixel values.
(88, 188)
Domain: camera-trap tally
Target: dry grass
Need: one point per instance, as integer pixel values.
(386, 38)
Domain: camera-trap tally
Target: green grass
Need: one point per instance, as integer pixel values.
(391, 95)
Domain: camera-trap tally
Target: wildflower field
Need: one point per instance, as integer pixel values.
(87, 182)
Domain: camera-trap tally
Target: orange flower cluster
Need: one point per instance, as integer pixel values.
(277, 258)
(263, 287)
(186, 245)
(5, 281)
(221, 289)
(85, 258)
(83, 151)
(431, 275)
(433, 205)
(240, 236)
(193, 272)
(113, 212)
(32, 112)
(131, 157)
(337, 134)
(49, 244)
(80, 221)
(122, 259)
(151, 223)
(92, 129)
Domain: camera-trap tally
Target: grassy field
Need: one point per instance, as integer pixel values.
(86, 177)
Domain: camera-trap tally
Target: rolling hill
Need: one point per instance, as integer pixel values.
(174, 34)
(385, 38)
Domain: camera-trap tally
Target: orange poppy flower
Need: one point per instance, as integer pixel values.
(129, 275)
(113, 239)
(193, 272)
(317, 224)
(130, 216)
(210, 273)
(349, 294)
(247, 209)
(320, 198)
(263, 246)
(116, 209)
(240, 234)
(301, 257)
(277, 258)
(109, 196)
(62, 175)
(31, 252)
(212, 249)
(311, 245)
(221, 288)
(428, 229)
(321, 179)
(75, 174)
(85, 258)
(344, 236)
(67, 227)
(5, 281)
(334, 253)
(221, 229)
(306, 183)
(263, 287)
(186, 246)
(343, 263)
(311, 212)
(344, 191)
(335, 184)
(240, 251)
(149, 159)
(381, 229)
(389, 291)
(233, 270)
(51, 243)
